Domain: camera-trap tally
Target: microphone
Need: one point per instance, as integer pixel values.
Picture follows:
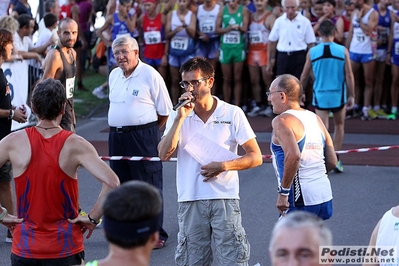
(182, 103)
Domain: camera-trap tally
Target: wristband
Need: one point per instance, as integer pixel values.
(283, 191)
(92, 220)
(3, 214)
(11, 114)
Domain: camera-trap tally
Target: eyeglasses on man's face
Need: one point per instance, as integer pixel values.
(269, 93)
(193, 83)
(120, 53)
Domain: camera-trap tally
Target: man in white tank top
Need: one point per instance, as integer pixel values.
(386, 232)
(303, 152)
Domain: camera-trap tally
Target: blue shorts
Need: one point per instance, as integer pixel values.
(208, 49)
(395, 57)
(155, 63)
(178, 61)
(361, 58)
(323, 210)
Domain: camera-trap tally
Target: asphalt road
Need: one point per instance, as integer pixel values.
(361, 195)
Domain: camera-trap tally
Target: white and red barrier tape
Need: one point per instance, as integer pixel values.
(140, 158)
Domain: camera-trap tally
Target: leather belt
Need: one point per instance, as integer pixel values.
(125, 129)
(293, 52)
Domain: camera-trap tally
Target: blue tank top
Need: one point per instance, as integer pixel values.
(384, 23)
(328, 65)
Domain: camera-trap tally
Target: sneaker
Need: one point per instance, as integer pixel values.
(99, 93)
(339, 168)
(392, 116)
(254, 112)
(381, 114)
(82, 213)
(244, 108)
(8, 237)
(371, 114)
(268, 112)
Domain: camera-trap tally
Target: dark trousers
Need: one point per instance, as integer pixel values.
(140, 142)
(291, 63)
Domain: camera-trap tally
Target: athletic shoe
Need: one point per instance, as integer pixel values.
(392, 116)
(254, 112)
(99, 93)
(381, 114)
(8, 237)
(339, 168)
(82, 213)
(268, 112)
(372, 114)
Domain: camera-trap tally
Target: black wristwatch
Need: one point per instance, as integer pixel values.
(283, 191)
(92, 220)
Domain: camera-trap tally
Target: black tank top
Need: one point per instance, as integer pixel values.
(68, 120)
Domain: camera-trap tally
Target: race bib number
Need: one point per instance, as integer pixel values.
(396, 48)
(383, 34)
(255, 37)
(179, 43)
(360, 36)
(69, 87)
(152, 37)
(232, 37)
(207, 26)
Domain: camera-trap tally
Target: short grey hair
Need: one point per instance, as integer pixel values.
(301, 219)
(125, 40)
(283, 3)
(9, 23)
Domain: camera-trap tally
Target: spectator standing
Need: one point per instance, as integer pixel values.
(208, 193)
(47, 36)
(50, 6)
(362, 43)
(23, 42)
(45, 161)
(303, 152)
(130, 224)
(8, 112)
(139, 106)
(21, 7)
(289, 39)
(85, 12)
(232, 26)
(60, 64)
(334, 85)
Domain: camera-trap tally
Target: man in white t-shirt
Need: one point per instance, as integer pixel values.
(208, 191)
(50, 6)
(51, 23)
